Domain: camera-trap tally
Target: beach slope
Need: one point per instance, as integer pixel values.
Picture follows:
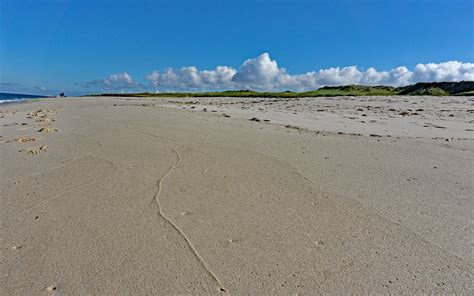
(116, 195)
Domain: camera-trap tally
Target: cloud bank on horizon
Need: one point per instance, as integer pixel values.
(263, 74)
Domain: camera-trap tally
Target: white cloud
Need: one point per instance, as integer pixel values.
(448, 71)
(119, 81)
(124, 78)
(262, 73)
(192, 78)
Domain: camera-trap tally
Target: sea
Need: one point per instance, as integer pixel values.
(10, 98)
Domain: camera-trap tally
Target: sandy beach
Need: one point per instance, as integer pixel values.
(360, 195)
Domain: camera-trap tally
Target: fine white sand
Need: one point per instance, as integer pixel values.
(158, 196)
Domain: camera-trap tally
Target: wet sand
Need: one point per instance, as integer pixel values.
(237, 196)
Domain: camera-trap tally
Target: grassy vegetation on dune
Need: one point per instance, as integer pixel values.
(437, 88)
(418, 89)
(351, 90)
(233, 93)
(430, 91)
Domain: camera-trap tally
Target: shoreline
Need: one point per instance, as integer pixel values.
(22, 100)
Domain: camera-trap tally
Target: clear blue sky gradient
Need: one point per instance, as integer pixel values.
(58, 44)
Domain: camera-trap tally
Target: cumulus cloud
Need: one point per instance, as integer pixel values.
(119, 78)
(119, 81)
(263, 73)
(192, 78)
(260, 72)
(448, 71)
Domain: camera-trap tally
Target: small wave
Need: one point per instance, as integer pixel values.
(13, 100)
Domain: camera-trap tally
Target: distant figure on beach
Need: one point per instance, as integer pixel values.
(61, 94)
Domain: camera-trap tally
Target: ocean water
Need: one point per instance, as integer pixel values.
(9, 98)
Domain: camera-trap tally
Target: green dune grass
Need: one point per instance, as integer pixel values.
(462, 88)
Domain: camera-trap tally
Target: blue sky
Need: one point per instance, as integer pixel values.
(79, 45)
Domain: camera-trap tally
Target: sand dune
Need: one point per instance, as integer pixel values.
(170, 196)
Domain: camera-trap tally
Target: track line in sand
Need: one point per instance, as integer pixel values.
(204, 172)
(371, 209)
(117, 169)
(90, 154)
(314, 186)
(156, 199)
(69, 161)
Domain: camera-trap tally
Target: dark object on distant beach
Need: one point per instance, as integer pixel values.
(255, 119)
(61, 94)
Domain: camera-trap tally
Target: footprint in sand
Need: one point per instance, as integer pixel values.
(45, 120)
(47, 130)
(35, 150)
(24, 139)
